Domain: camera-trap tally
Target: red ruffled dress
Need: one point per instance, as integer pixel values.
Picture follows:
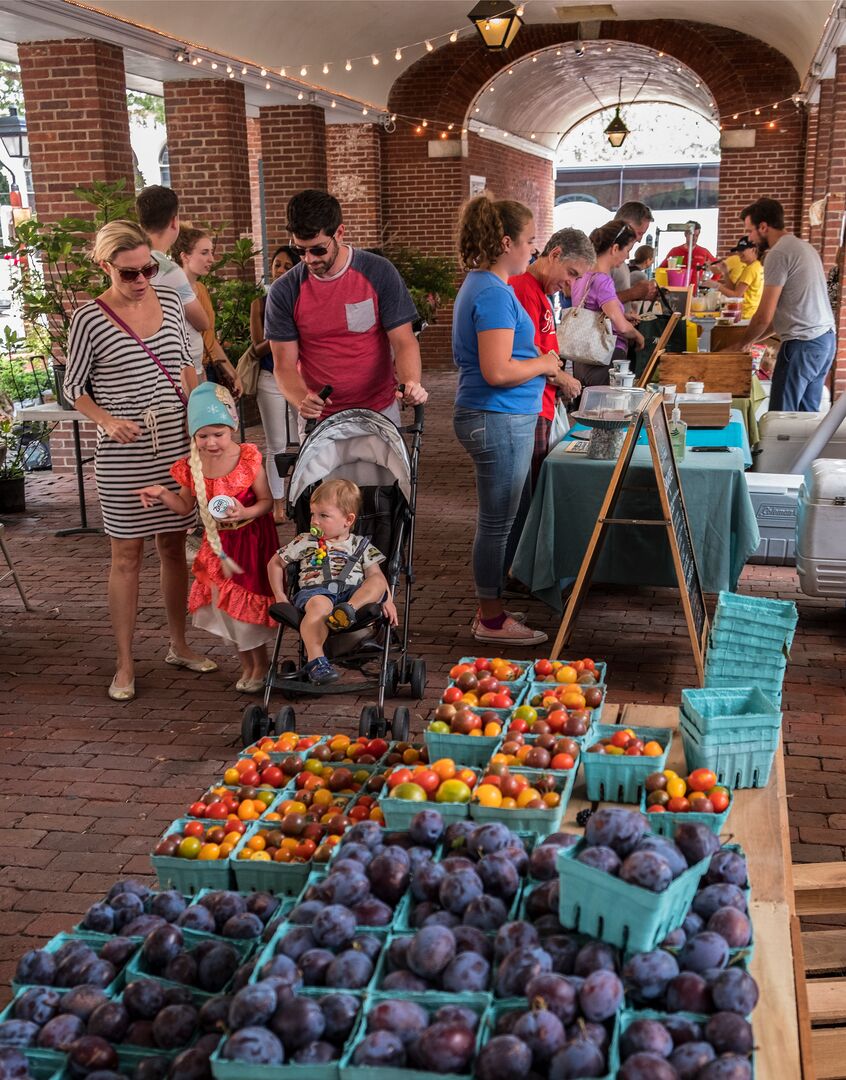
(235, 608)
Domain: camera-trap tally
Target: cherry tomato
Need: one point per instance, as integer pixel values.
(701, 780)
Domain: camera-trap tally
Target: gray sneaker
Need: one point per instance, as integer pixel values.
(511, 632)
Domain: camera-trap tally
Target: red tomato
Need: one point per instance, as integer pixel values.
(481, 664)
(377, 747)
(562, 761)
(621, 739)
(655, 809)
(305, 849)
(217, 810)
(633, 751)
(494, 781)
(467, 775)
(399, 776)
(589, 665)
(459, 669)
(720, 799)
(250, 778)
(543, 668)
(274, 776)
(701, 780)
(678, 805)
(451, 695)
(197, 809)
(194, 828)
(428, 779)
(520, 726)
(502, 701)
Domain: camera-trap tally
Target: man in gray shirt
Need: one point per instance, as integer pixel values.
(795, 306)
(639, 217)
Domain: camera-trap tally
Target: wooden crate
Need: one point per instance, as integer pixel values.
(722, 373)
(723, 337)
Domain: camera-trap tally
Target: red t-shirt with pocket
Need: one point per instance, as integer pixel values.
(340, 325)
(531, 295)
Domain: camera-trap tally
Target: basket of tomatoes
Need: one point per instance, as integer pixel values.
(618, 760)
(444, 786)
(193, 854)
(526, 801)
(669, 799)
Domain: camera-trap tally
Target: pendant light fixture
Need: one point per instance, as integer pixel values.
(497, 22)
(617, 131)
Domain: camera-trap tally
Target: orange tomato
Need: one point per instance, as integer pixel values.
(566, 674)
(526, 795)
(720, 798)
(653, 749)
(467, 776)
(488, 795)
(492, 730)
(231, 776)
(573, 699)
(508, 804)
(444, 767)
(552, 799)
(701, 780)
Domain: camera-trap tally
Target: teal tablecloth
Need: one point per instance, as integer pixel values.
(570, 491)
(733, 434)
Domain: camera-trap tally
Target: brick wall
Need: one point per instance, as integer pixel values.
(812, 123)
(354, 176)
(75, 92)
(514, 174)
(293, 148)
(254, 158)
(207, 147)
(63, 454)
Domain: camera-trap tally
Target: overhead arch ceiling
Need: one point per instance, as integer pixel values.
(311, 32)
(565, 90)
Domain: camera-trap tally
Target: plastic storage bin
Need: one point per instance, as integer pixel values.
(620, 778)
(775, 500)
(784, 434)
(821, 526)
(604, 907)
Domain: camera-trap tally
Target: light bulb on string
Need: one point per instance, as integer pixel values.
(348, 66)
(511, 71)
(521, 10)
(557, 52)
(244, 70)
(228, 69)
(532, 136)
(735, 116)
(393, 118)
(418, 130)
(398, 54)
(231, 74)
(364, 112)
(477, 109)
(214, 65)
(775, 106)
(300, 96)
(608, 49)
(267, 86)
(263, 72)
(660, 55)
(757, 112)
(450, 127)
(424, 123)
(180, 58)
(303, 71)
(443, 135)
(771, 124)
(325, 69)
(333, 104)
(374, 60)
(453, 37)
(429, 46)
(534, 59)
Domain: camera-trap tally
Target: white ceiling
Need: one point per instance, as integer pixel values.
(294, 33)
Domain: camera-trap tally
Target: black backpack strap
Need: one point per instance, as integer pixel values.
(334, 585)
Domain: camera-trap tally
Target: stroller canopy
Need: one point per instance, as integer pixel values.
(356, 444)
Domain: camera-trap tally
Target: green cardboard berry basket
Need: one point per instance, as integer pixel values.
(737, 764)
(281, 879)
(762, 618)
(521, 819)
(42, 1064)
(399, 812)
(278, 756)
(96, 941)
(526, 669)
(430, 1002)
(628, 1016)
(442, 997)
(617, 778)
(78, 928)
(223, 1069)
(237, 787)
(500, 1008)
(285, 905)
(136, 968)
(730, 710)
(190, 875)
(476, 750)
(664, 824)
(536, 688)
(605, 907)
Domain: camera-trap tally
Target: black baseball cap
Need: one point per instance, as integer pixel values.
(744, 244)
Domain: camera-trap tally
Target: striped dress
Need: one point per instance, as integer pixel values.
(126, 383)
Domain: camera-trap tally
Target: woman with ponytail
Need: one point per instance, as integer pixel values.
(231, 595)
(501, 377)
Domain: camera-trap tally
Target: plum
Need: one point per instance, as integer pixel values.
(405, 981)
(182, 969)
(648, 870)
(372, 912)
(118, 951)
(25, 1032)
(380, 1049)
(223, 904)
(499, 876)
(688, 992)
(298, 1023)
(350, 970)
(683, 1030)
(126, 907)
(443, 1048)
(644, 1066)
(458, 889)
(595, 956)
(168, 904)
(404, 1018)
(191, 1064)
(100, 918)
(703, 952)
(143, 998)
(111, 1020)
(39, 1004)
(13, 1064)
(690, 1057)
(543, 1033)
(442, 918)
(616, 828)
(199, 918)
(263, 904)
(543, 862)
(727, 867)
(430, 950)
(314, 964)
(600, 858)
(316, 1053)
(456, 1014)
(734, 990)
(303, 914)
(175, 1026)
(346, 885)
(151, 1068)
(729, 1033)
(553, 992)
(254, 1045)
(485, 913)
(504, 1057)
(647, 975)
(61, 1031)
(728, 1067)
(160, 946)
(713, 897)
(515, 935)
(426, 881)
(470, 939)
(214, 1013)
(646, 1036)
(143, 925)
(389, 875)
(140, 1033)
(563, 948)
(732, 925)
(580, 1057)
(36, 967)
(216, 968)
(129, 885)
(600, 996)
(368, 833)
(667, 849)
(466, 973)
(339, 1013)
(518, 968)
(334, 927)
(90, 1053)
(695, 841)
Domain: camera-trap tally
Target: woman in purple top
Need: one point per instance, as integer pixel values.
(611, 243)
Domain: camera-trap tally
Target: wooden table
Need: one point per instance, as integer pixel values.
(758, 822)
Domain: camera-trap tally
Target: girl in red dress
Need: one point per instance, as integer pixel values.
(231, 595)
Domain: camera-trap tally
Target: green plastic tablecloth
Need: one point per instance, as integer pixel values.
(567, 500)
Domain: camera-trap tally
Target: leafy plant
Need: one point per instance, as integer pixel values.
(232, 294)
(431, 279)
(147, 109)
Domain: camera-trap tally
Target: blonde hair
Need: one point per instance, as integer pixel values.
(484, 224)
(227, 564)
(341, 493)
(115, 237)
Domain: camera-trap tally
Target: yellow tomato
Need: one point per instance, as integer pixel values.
(209, 852)
(566, 674)
(231, 776)
(489, 795)
(260, 856)
(527, 795)
(257, 842)
(676, 787)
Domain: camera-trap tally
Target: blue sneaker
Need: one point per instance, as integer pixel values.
(320, 671)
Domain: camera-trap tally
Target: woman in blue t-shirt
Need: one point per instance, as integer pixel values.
(500, 382)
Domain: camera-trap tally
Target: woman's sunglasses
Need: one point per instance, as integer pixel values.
(126, 274)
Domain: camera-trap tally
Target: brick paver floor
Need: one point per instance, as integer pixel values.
(86, 785)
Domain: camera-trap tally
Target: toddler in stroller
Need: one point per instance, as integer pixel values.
(338, 574)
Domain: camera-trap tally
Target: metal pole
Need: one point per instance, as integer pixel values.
(821, 437)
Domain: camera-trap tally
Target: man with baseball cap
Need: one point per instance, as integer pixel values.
(742, 275)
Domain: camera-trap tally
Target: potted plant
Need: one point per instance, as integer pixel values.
(431, 279)
(12, 447)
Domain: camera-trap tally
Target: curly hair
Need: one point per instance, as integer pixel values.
(484, 224)
(185, 242)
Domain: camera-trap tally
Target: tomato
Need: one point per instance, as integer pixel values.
(444, 767)
(428, 779)
(621, 739)
(678, 805)
(305, 849)
(218, 811)
(194, 828)
(399, 776)
(653, 749)
(458, 669)
(655, 809)
(481, 664)
(501, 701)
(377, 747)
(518, 725)
(189, 847)
(197, 809)
(274, 776)
(451, 695)
(467, 776)
(676, 787)
(720, 799)
(701, 780)
(562, 761)
(489, 795)
(543, 668)
(566, 674)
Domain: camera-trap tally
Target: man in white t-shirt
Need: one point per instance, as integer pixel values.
(158, 215)
(795, 305)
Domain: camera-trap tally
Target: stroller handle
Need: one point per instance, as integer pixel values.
(323, 395)
(419, 411)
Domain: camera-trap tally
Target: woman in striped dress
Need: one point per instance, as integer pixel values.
(135, 391)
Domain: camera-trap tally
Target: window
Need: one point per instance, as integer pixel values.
(164, 167)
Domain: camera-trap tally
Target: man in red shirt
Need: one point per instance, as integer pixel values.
(342, 318)
(702, 257)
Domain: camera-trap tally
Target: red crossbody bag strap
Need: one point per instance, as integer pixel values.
(128, 329)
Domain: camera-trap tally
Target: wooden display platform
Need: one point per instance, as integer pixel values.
(721, 372)
(758, 822)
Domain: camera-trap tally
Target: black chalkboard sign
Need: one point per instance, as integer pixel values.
(653, 419)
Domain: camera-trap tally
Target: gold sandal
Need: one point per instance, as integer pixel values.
(121, 693)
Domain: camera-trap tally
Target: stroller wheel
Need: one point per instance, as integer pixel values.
(285, 720)
(255, 724)
(417, 679)
(400, 724)
(370, 722)
(392, 678)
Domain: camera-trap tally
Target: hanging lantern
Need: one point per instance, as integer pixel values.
(497, 22)
(617, 130)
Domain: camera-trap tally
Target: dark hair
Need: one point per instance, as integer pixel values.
(617, 232)
(634, 213)
(644, 252)
(156, 207)
(311, 212)
(765, 210)
(185, 242)
(289, 250)
(484, 224)
(695, 225)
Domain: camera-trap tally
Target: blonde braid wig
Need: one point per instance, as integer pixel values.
(227, 564)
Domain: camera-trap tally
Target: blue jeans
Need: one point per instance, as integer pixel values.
(500, 445)
(800, 371)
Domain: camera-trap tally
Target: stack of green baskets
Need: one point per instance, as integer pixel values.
(750, 643)
(732, 731)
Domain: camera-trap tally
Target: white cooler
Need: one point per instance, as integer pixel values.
(821, 529)
(783, 434)
(775, 498)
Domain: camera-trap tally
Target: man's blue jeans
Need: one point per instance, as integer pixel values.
(500, 445)
(800, 371)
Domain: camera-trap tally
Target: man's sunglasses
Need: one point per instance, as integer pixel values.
(319, 250)
(126, 274)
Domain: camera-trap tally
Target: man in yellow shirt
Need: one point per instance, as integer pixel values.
(743, 276)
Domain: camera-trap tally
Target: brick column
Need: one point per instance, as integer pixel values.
(354, 173)
(207, 148)
(822, 152)
(832, 253)
(293, 149)
(812, 127)
(75, 94)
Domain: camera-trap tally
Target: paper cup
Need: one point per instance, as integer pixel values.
(694, 388)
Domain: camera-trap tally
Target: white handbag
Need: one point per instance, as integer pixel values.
(586, 337)
(560, 424)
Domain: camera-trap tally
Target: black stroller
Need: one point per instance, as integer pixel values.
(369, 449)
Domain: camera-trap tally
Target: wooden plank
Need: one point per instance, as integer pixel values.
(820, 888)
(829, 1053)
(827, 1000)
(824, 951)
(722, 373)
(803, 1013)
